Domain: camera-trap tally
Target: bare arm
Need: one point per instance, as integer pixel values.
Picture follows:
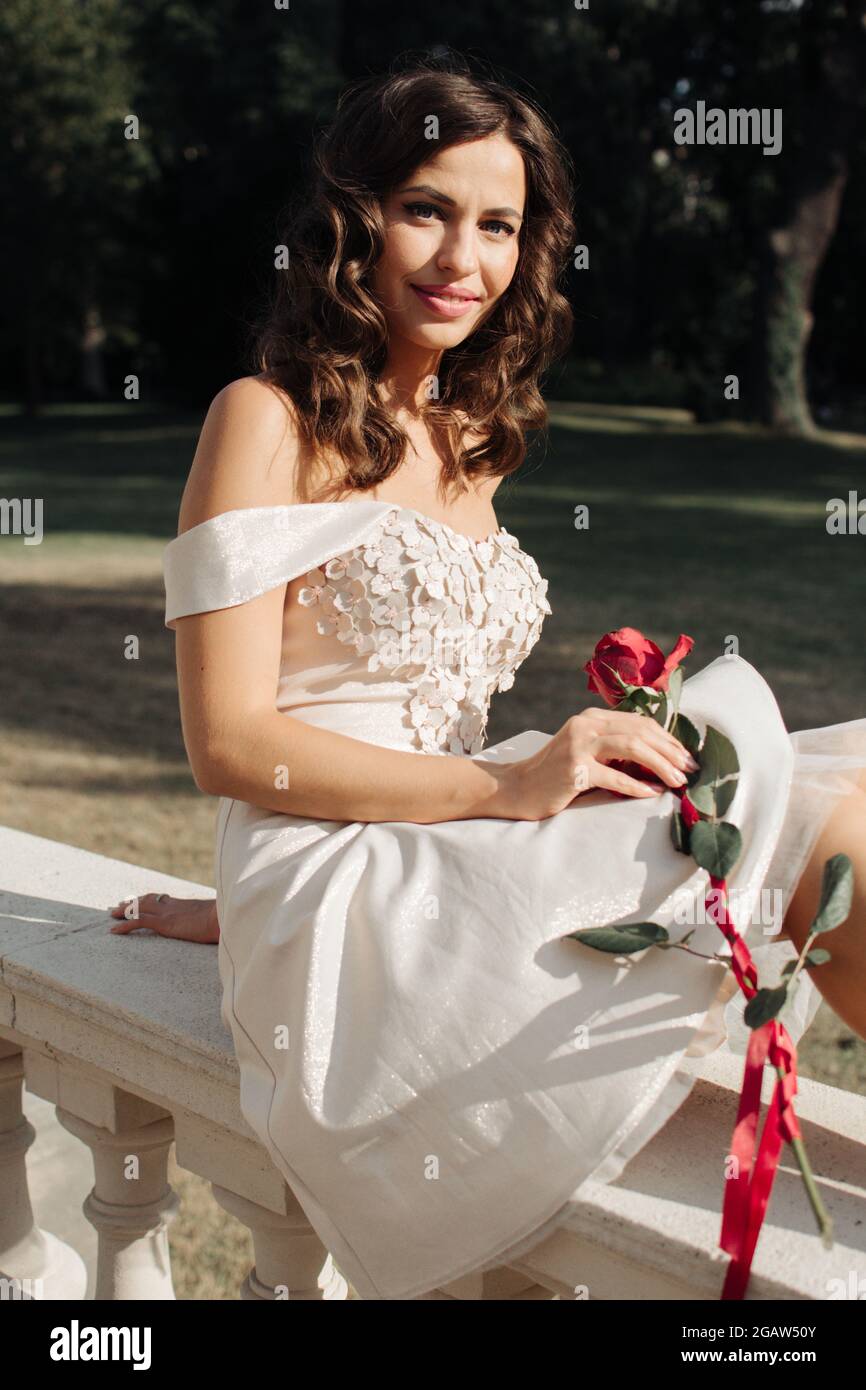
(239, 745)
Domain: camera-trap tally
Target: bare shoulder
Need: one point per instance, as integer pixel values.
(248, 453)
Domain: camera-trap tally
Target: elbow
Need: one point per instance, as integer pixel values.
(221, 752)
(207, 782)
(210, 775)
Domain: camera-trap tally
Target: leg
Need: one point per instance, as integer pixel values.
(842, 980)
(186, 919)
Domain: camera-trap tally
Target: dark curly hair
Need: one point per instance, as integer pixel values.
(323, 340)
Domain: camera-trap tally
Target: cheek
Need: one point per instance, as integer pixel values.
(507, 267)
(499, 274)
(406, 248)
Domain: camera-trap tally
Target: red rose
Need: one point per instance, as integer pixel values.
(637, 660)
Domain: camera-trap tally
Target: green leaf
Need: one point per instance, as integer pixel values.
(724, 793)
(701, 797)
(818, 957)
(837, 891)
(713, 789)
(622, 940)
(715, 846)
(789, 967)
(680, 833)
(718, 755)
(764, 1005)
(688, 735)
(660, 713)
(712, 799)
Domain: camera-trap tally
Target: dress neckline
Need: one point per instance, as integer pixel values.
(494, 536)
(434, 521)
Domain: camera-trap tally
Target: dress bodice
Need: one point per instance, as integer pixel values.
(401, 629)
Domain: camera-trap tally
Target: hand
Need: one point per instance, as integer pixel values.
(575, 760)
(185, 919)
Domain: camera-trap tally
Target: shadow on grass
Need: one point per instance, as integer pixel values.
(72, 682)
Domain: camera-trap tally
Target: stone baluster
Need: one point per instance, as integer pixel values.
(33, 1263)
(131, 1202)
(291, 1261)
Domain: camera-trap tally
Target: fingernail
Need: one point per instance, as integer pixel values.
(691, 764)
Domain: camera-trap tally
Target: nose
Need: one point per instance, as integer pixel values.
(459, 251)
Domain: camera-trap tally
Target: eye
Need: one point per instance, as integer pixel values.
(419, 209)
(506, 226)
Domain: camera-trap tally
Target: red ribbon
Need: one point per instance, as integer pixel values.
(747, 1194)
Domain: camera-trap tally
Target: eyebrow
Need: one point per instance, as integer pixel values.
(443, 198)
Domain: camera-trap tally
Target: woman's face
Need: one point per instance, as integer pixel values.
(452, 226)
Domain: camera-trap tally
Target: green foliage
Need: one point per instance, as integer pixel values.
(713, 788)
(70, 180)
(764, 1005)
(171, 237)
(688, 735)
(715, 846)
(624, 940)
(837, 891)
(680, 833)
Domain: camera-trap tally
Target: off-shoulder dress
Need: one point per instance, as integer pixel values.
(430, 1061)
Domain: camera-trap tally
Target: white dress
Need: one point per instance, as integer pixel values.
(430, 1062)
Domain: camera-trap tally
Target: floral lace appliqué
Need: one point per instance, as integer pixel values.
(452, 617)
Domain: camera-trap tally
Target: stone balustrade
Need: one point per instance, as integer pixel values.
(122, 1034)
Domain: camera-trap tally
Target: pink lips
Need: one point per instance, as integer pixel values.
(451, 304)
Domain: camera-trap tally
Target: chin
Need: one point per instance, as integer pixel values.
(435, 335)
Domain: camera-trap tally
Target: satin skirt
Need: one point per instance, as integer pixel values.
(430, 1061)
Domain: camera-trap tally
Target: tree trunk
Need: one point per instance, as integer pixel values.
(793, 255)
(832, 76)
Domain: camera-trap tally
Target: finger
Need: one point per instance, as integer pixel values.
(150, 902)
(170, 924)
(667, 741)
(611, 779)
(670, 748)
(638, 749)
(163, 926)
(129, 924)
(147, 903)
(652, 727)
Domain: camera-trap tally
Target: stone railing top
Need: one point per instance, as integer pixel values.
(146, 1011)
(67, 981)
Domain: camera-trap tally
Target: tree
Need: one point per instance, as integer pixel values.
(69, 178)
(831, 98)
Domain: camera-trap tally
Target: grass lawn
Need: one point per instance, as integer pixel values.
(714, 531)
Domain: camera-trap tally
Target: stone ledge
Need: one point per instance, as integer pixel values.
(122, 1030)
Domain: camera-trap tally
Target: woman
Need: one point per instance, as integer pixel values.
(430, 1060)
